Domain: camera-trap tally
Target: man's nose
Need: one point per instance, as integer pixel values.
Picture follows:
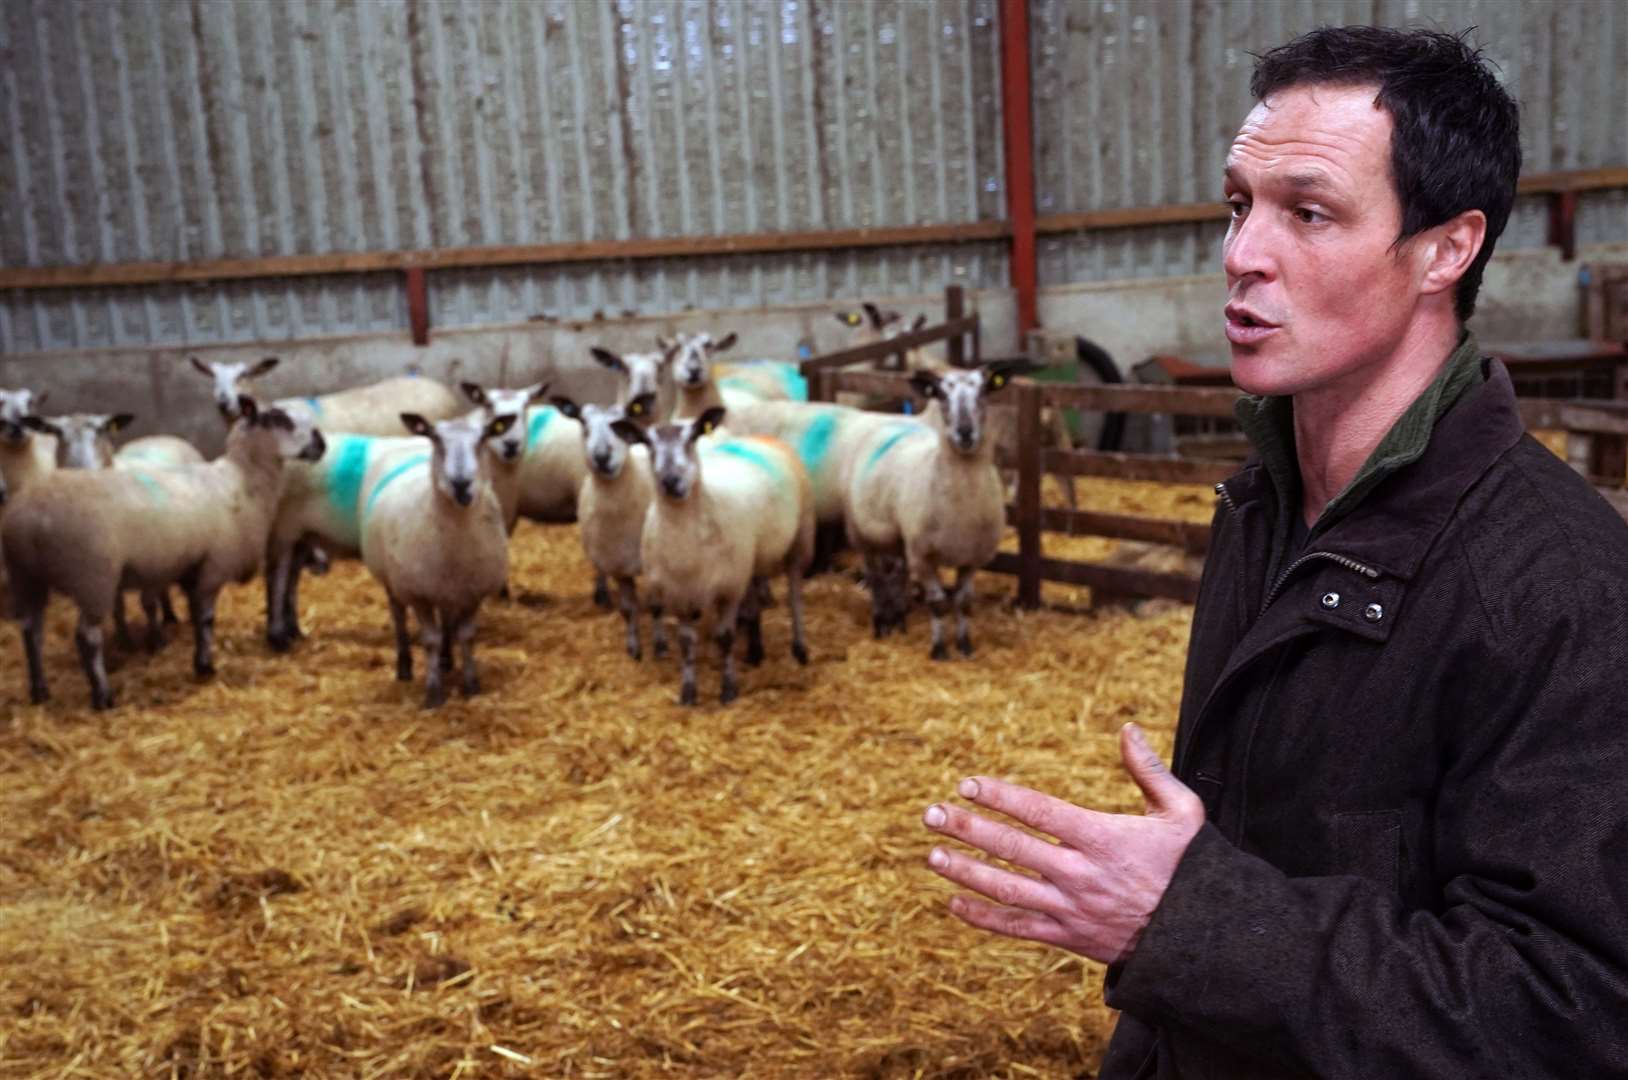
(1248, 249)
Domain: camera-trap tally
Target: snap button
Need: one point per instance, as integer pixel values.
(1331, 600)
(1373, 613)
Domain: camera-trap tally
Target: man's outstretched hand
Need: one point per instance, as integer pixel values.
(1094, 890)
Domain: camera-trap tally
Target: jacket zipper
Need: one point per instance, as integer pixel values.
(1283, 578)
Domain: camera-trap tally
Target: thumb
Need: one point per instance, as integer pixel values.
(1166, 796)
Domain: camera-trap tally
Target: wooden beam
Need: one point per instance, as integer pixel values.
(1141, 467)
(1615, 176)
(1120, 580)
(418, 305)
(1028, 495)
(877, 350)
(1176, 400)
(1596, 418)
(1192, 537)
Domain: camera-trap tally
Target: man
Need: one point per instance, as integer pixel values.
(1395, 842)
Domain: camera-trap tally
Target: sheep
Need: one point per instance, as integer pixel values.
(373, 409)
(724, 519)
(509, 450)
(934, 494)
(156, 452)
(433, 536)
(87, 533)
(702, 384)
(320, 508)
(25, 456)
(612, 507)
(641, 373)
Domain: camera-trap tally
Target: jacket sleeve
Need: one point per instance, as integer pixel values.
(1522, 968)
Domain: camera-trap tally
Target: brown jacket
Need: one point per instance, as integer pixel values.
(1412, 746)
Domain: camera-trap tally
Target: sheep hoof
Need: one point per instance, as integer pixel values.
(434, 698)
(155, 643)
(686, 695)
(800, 652)
(280, 641)
(204, 670)
(635, 652)
(39, 695)
(754, 654)
(659, 651)
(940, 651)
(101, 702)
(602, 597)
(964, 643)
(471, 687)
(729, 693)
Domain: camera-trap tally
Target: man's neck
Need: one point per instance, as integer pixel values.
(1338, 426)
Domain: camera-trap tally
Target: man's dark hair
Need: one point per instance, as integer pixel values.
(1455, 144)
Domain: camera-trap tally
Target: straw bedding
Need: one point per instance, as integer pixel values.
(293, 870)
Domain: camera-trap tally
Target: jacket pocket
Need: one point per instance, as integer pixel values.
(1368, 843)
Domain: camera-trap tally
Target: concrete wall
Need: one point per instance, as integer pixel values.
(1528, 295)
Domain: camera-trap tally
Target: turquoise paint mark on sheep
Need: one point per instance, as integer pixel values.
(539, 423)
(316, 406)
(747, 452)
(791, 379)
(901, 432)
(346, 474)
(153, 487)
(815, 444)
(391, 477)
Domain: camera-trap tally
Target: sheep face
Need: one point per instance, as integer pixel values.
(606, 451)
(229, 380)
(641, 372)
(962, 396)
(14, 406)
(511, 445)
(691, 356)
(673, 459)
(455, 465)
(84, 440)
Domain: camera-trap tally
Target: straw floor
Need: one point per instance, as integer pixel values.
(293, 870)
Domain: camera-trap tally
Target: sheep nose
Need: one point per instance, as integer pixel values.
(602, 461)
(672, 485)
(463, 491)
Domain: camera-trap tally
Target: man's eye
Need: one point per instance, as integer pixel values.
(1237, 207)
(1309, 217)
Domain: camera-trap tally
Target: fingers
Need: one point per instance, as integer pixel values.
(1002, 841)
(1069, 823)
(1012, 922)
(1166, 796)
(1000, 885)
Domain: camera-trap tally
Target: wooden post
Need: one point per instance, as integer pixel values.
(1028, 494)
(418, 305)
(955, 300)
(1563, 223)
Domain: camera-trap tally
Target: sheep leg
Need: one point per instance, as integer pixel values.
(963, 605)
(686, 649)
(151, 601)
(404, 640)
(466, 643)
(170, 618)
(277, 602)
(723, 633)
(751, 620)
(630, 613)
(794, 600)
(602, 597)
(434, 692)
(658, 631)
(88, 636)
(121, 625)
(937, 602)
(33, 627)
(877, 582)
(201, 609)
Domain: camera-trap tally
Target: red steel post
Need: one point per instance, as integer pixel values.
(1019, 158)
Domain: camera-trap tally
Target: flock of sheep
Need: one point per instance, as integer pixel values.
(701, 483)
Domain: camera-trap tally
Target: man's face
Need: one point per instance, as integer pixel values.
(1315, 292)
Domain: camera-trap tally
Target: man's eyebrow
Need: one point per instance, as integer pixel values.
(1309, 180)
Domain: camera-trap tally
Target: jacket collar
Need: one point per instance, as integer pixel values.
(1394, 525)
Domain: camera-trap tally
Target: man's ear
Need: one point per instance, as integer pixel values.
(1450, 248)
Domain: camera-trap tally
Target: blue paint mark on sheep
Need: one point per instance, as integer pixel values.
(345, 476)
(815, 444)
(316, 405)
(154, 488)
(791, 379)
(900, 432)
(745, 451)
(539, 422)
(391, 477)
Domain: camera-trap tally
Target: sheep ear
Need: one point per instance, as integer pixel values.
(536, 393)
(850, 318)
(41, 425)
(609, 359)
(640, 406)
(568, 407)
(418, 425)
(202, 368)
(474, 393)
(925, 384)
(499, 426)
(665, 343)
(118, 422)
(706, 423)
(246, 408)
(998, 374)
(261, 368)
(875, 314)
(727, 343)
(920, 321)
(630, 433)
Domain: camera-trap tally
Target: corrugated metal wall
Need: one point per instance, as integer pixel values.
(1136, 103)
(170, 130)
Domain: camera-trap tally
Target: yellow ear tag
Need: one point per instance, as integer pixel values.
(636, 409)
(706, 428)
(853, 320)
(997, 381)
